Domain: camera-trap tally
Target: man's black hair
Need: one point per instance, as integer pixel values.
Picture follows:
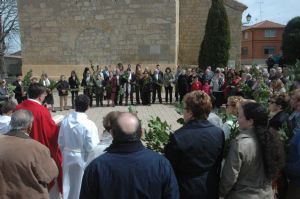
(82, 103)
(35, 90)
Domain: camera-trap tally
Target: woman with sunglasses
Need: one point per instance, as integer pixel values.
(277, 106)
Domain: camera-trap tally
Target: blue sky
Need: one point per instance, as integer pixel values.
(280, 11)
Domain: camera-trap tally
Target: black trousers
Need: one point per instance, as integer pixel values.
(99, 99)
(74, 95)
(119, 96)
(176, 92)
(219, 98)
(156, 89)
(88, 92)
(169, 90)
(138, 94)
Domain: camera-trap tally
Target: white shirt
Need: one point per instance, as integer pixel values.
(35, 101)
(215, 120)
(4, 124)
(46, 82)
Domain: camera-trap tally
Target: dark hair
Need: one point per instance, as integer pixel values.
(282, 100)
(82, 103)
(35, 90)
(120, 136)
(86, 69)
(270, 143)
(8, 106)
(168, 68)
(199, 103)
(109, 118)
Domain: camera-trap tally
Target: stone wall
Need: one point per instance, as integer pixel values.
(58, 36)
(193, 16)
(72, 32)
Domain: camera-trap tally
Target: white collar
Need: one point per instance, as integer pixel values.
(35, 101)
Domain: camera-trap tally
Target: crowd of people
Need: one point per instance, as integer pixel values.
(61, 156)
(127, 86)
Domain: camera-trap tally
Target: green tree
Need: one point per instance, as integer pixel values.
(215, 46)
(291, 41)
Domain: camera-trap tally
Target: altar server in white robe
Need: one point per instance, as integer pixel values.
(78, 136)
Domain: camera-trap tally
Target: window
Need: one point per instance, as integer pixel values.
(154, 49)
(270, 33)
(244, 51)
(269, 50)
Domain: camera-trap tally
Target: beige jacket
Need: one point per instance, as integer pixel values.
(25, 168)
(243, 175)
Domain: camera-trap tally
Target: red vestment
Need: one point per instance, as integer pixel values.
(45, 131)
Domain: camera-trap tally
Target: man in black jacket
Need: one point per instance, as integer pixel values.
(128, 169)
(20, 94)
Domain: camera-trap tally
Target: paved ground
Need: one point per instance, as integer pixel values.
(165, 111)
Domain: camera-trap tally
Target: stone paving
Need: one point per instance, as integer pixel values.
(165, 111)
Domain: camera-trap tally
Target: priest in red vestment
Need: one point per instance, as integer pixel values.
(44, 128)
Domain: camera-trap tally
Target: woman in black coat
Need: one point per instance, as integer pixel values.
(195, 150)
(183, 84)
(74, 86)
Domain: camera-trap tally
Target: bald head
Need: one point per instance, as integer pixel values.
(128, 123)
(126, 128)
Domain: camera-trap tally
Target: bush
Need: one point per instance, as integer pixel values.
(291, 41)
(215, 46)
(157, 136)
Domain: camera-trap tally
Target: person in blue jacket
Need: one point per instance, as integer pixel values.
(195, 150)
(128, 169)
(292, 167)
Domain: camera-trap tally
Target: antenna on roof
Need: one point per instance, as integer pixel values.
(260, 2)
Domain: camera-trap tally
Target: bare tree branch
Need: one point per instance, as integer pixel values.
(9, 27)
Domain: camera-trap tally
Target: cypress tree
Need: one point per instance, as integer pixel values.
(215, 46)
(291, 41)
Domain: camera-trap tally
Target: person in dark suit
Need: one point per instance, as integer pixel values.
(195, 150)
(130, 86)
(88, 83)
(146, 88)
(157, 82)
(74, 86)
(20, 94)
(183, 85)
(62, 88)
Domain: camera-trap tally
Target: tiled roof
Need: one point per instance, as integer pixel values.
(263, 25)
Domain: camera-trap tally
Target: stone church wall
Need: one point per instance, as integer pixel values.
(68, 33)
(58, 36)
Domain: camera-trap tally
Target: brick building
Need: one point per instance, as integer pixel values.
(261, 40)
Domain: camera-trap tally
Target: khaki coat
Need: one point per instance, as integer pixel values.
(243, 175)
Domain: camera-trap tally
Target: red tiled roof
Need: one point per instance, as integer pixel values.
(263, 25)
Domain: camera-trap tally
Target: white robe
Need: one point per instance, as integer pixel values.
(78, 136)
(4, 124)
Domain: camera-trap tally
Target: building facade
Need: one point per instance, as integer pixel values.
(261, 40)
(65, 35)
